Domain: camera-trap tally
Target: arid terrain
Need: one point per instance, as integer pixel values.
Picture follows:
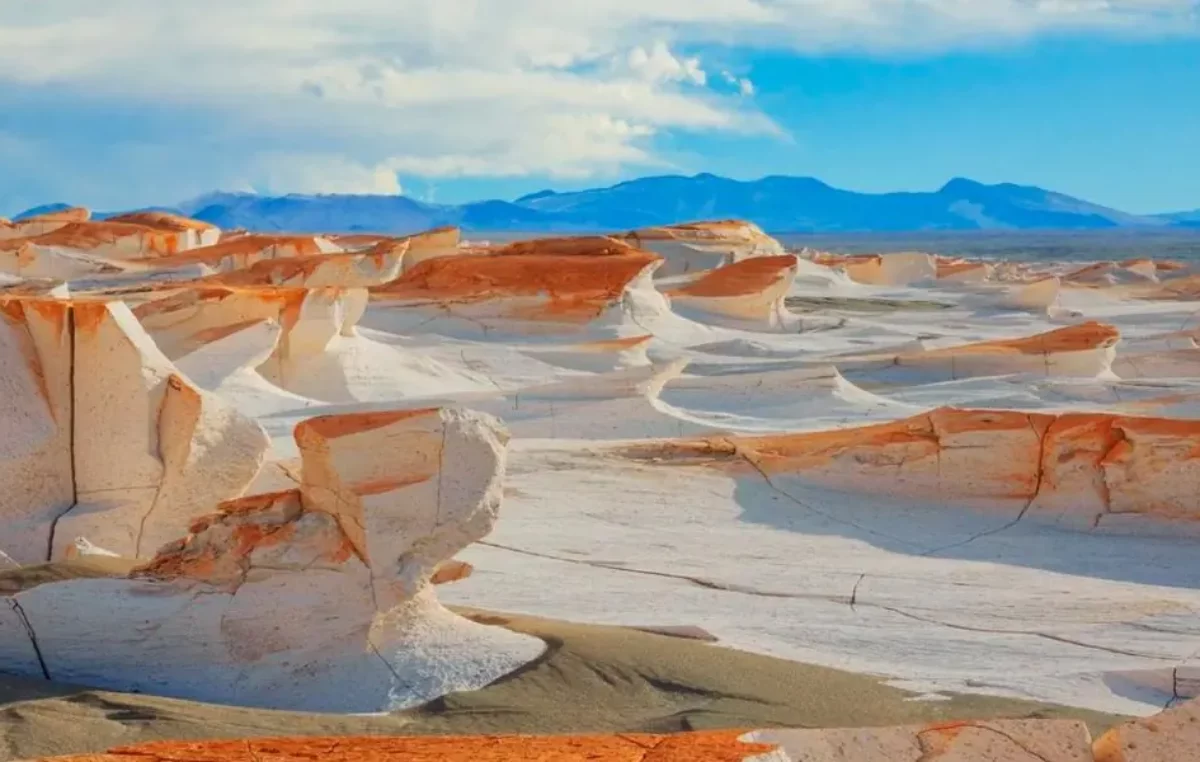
(677, 493)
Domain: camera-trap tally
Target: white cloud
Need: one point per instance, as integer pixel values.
(659, 64)
(353, 90)
(279, 173)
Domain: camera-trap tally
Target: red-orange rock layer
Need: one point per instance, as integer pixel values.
(947, 268)
(750, 276)
(246, 246)
(721, 746)
(219, 546)
(1116, 464)
(612, 345)
(73, 214)
(587, 246)
(838, 260)
(162, 221)
(577, 288)
(295, 270)
(1075, 338)
(86, 236)
(706, 229)
(1185, 289)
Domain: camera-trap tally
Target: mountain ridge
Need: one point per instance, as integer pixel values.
(777, 203)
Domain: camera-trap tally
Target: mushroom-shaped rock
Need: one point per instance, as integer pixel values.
(194, 233)
(995, 741)
(752, 289)
(694, 246)
(1089, 466)
(1166, 737)
(317, 598)
(710, 746)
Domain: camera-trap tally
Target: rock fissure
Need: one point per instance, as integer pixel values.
(19, 610)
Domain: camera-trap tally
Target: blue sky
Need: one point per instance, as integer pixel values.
(137, 102)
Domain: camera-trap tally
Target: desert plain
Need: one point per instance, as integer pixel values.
(677, 493)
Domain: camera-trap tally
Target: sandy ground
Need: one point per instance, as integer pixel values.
(592, 679)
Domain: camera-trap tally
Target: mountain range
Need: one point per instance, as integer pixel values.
(777, 204)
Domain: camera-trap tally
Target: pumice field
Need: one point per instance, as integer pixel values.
(666, 495)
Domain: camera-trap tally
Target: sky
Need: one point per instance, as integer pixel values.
(129, 103)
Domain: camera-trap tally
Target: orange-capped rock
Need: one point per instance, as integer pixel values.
(745, 278)
(241, 251)
(697, 246)
(720, 746)
(752, 289)
(1090, 464)
(539, 283)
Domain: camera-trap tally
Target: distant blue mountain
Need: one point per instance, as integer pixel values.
(1183, 219)
(43, 209)
(778, 204)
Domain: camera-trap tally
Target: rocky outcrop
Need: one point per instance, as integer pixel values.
(697, 246)
(1080, 466)
(751, 290)
(373, 267)
(317, 598)
(107, 439)
(432, 244)
(116, 241)
(897, 269)
(42, 224)
(1166, 737)
(241, 251)
(538, 281)
(193, 233)
(1086, 350)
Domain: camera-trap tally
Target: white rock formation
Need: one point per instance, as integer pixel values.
(108, 441)
(317, 599)
(700, 246)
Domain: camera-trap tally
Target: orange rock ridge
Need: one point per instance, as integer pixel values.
(162, 221)
(578, 280)
(1075, 338)
(720, 746)
(749, 276)
(1075, 461)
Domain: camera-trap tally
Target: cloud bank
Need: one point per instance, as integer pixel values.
(308, 95)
